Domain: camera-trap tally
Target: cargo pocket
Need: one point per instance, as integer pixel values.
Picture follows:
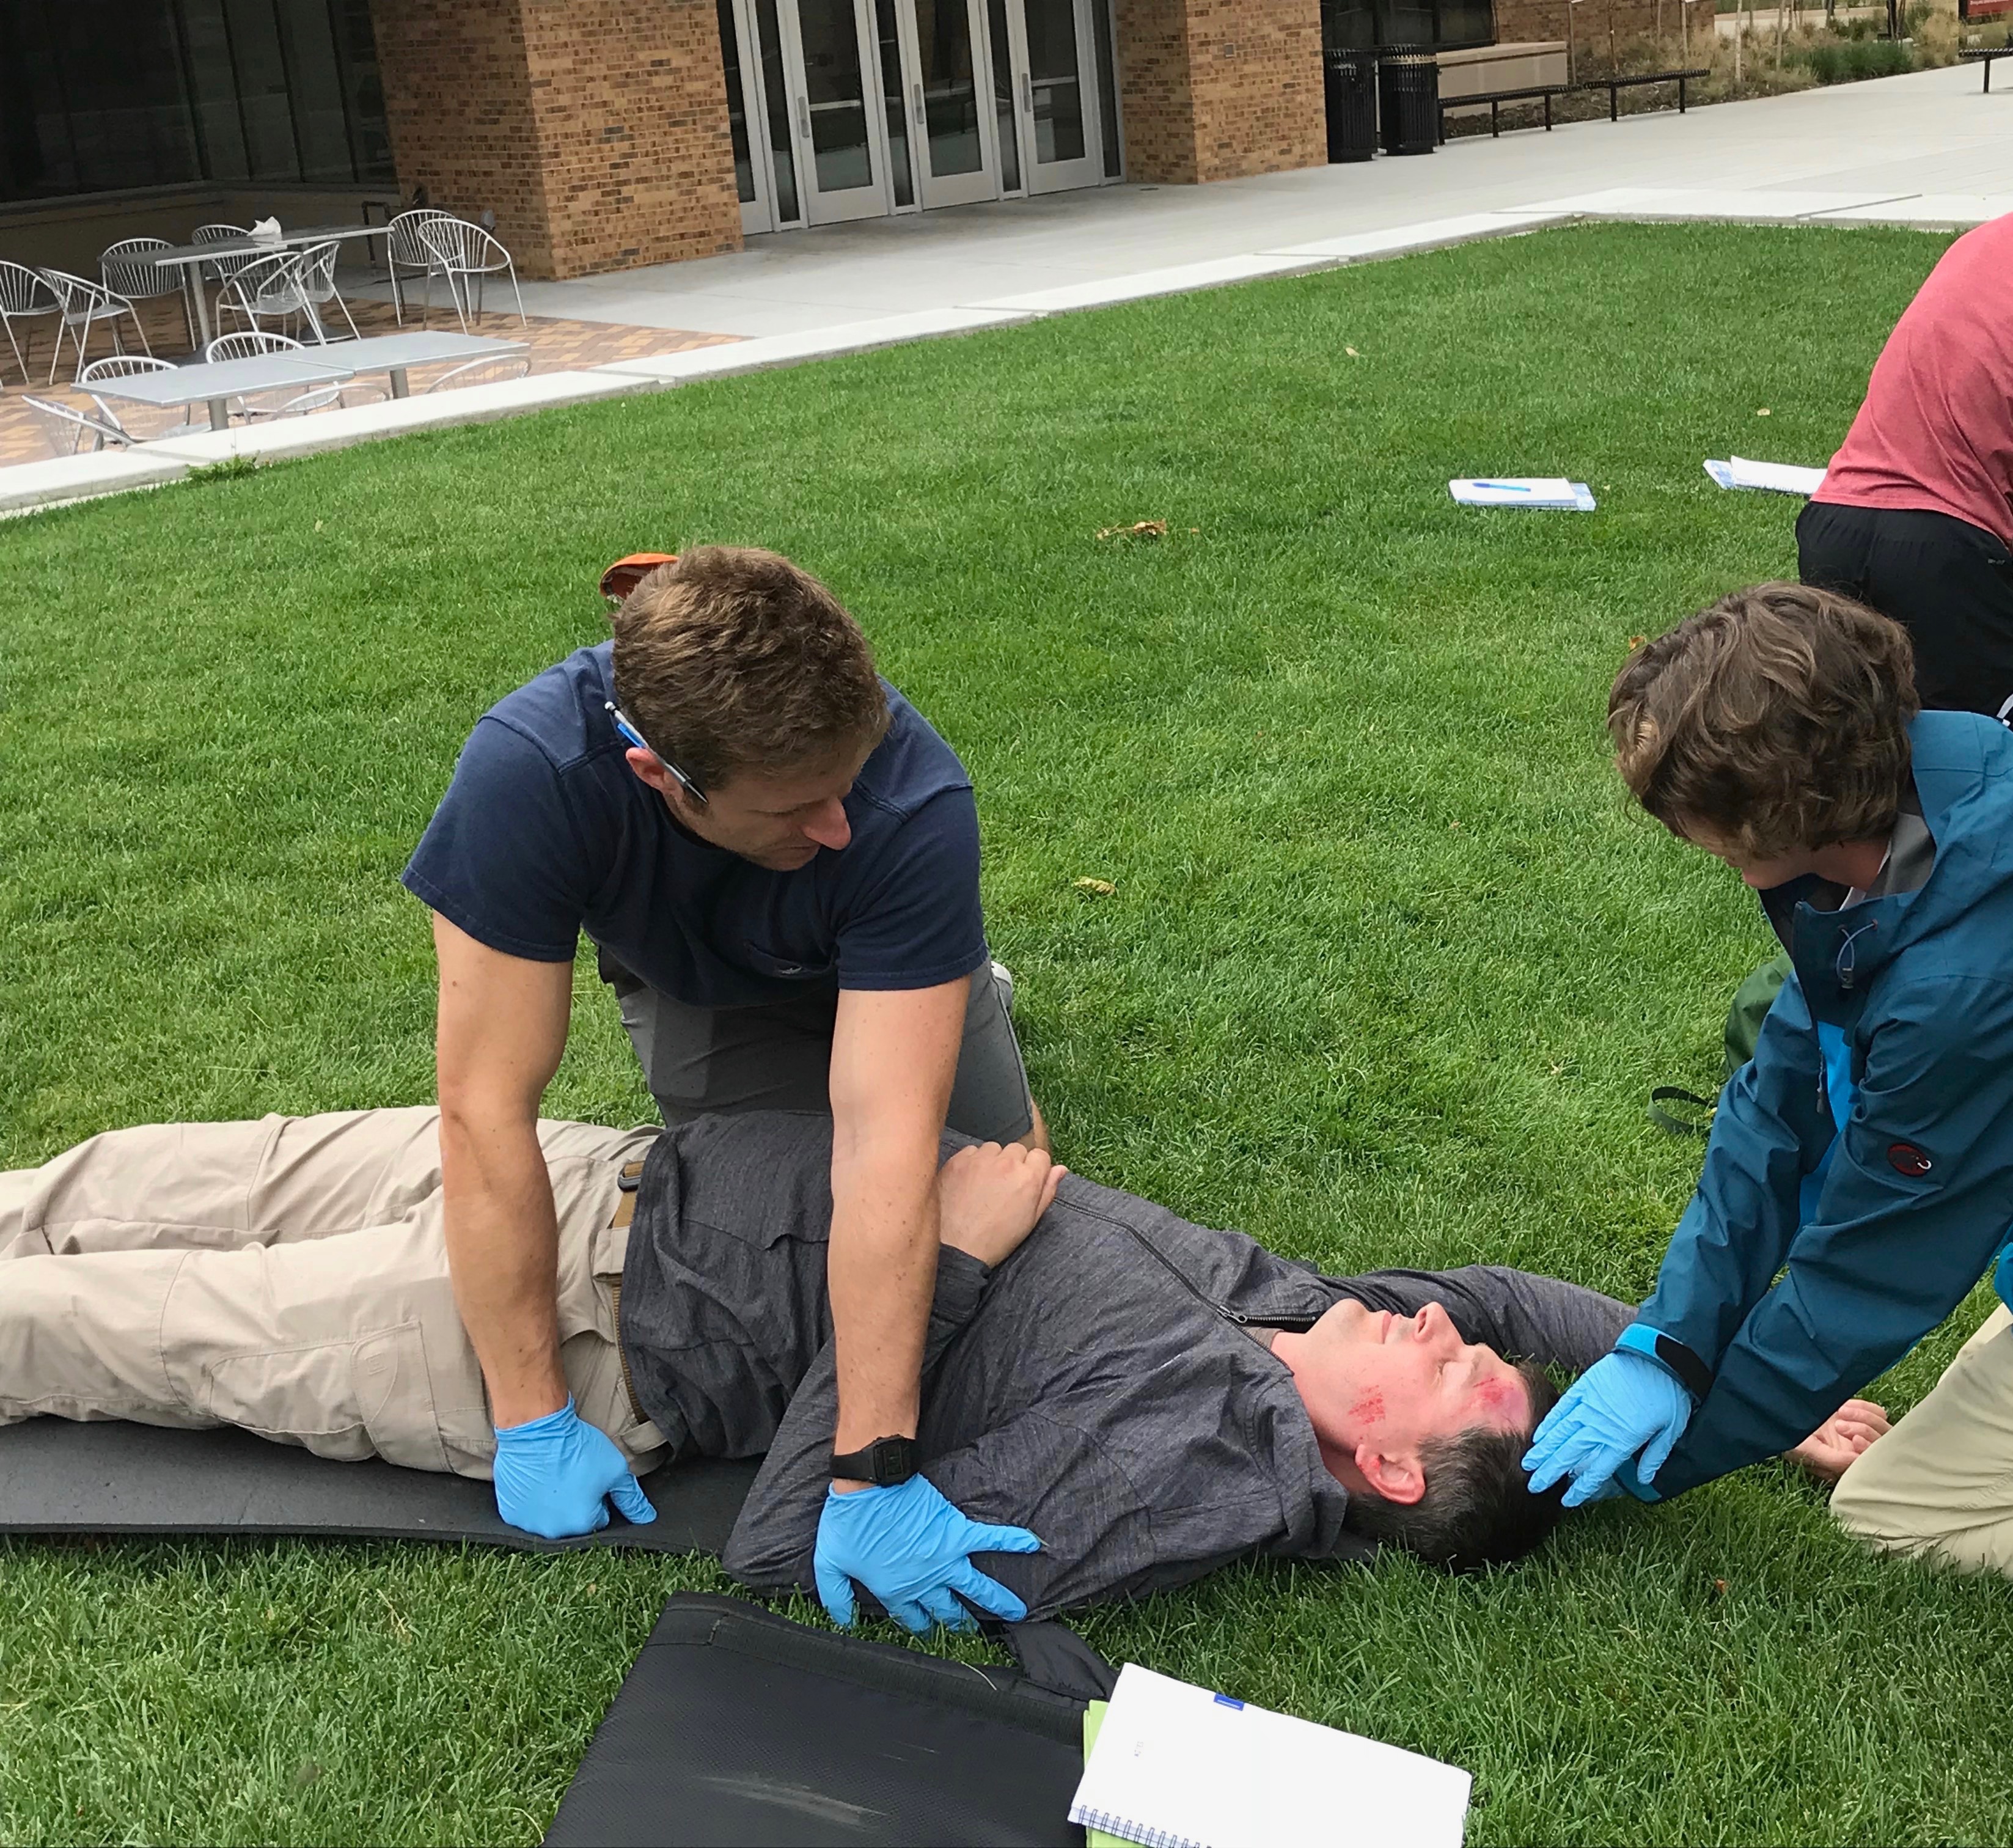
(346, 1400)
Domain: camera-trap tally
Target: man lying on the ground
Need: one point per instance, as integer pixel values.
(1151, 1397)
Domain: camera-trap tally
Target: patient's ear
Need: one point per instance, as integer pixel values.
(1396, 1476)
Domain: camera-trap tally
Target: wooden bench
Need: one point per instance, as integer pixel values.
(1985, 55)
(1545, 92)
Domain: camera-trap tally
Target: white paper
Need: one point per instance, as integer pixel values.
(1776, 477)
(1176, 1764)
(1551, 493)
(266, 231)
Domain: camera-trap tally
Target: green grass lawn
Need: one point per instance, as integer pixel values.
(1389, 971)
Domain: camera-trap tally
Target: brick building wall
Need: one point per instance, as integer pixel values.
(1641, 27)
(596, 130)
(1216, 89)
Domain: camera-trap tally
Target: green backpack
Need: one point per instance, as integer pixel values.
(1751, 1002)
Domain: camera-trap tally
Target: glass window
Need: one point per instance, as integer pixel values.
(1107, 87)
(1347, 25)
(129, 93)
(737, 104)
(118, 71)
(782, 159)
(36, 157)
(362, 90)
(899, 167)
(1002, 96)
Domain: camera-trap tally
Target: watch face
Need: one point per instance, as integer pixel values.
(894, 1460)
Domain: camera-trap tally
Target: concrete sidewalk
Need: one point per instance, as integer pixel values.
(1927, 148)
(1923, 150)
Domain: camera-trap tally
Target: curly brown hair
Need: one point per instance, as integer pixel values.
(730, 659)
(1775, 722)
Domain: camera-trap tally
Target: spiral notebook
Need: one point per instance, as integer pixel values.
(1175, 1766)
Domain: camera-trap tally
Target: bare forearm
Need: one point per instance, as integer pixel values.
(502, 1246)
(881, 1270)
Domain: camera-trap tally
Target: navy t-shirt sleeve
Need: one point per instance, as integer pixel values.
(503, 858)
(915, 921)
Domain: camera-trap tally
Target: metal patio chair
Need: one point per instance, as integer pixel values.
(484, 372)
(269, 288)
(465, 253)
(403, 250)
(259, 406)
(127, 269)
(24, 295)
(317, 285)
(65, 427)
(164, 422)
(85, 303)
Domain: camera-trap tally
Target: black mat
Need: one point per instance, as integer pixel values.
(741, 1728)
(59, 1476)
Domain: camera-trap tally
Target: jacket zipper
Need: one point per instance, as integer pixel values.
(1189, 1283)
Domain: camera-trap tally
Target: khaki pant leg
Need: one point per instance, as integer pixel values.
(180, 1186)
(1940, 1485)
(348, 1344)
(162, 1186)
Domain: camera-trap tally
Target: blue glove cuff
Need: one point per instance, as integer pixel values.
(1668, 1352)
(537, 1428)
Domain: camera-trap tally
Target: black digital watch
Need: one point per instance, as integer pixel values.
(885, 1463)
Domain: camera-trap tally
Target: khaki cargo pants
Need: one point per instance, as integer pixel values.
(1940, 1485)
(290, 1276)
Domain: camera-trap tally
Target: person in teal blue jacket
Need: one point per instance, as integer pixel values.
(1859, 1178)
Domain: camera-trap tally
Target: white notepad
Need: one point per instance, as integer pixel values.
(1776, 477)
(1178, 1767)
(1542, 493)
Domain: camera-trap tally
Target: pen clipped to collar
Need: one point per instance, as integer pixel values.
(631, 735)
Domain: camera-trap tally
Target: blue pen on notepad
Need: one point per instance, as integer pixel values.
(1225, 1701)
(1506, 486)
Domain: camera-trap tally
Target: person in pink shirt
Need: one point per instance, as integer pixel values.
(1915, 515)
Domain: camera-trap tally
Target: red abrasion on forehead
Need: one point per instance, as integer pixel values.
(1498, 1398)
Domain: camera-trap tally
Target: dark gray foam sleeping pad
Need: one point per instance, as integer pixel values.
(60, 1477)
(740, 1728)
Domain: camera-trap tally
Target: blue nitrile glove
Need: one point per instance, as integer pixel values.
(909, 1547)
(1623, 1402)
(556, 1475)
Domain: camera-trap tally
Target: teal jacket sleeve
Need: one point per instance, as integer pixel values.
(1918, 1197)
(1770, 1130)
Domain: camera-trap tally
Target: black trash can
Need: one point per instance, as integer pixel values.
(1408, 90)
(1349, 81)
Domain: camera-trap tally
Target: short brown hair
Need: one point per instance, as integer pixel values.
(1478, 1509)
(731, 660)
(1777, 721)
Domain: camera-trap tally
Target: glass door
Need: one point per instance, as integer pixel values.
(837, 109)
(1055, 82)
(950, 100)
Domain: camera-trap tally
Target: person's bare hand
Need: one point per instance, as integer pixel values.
(990, 1198)
(1830, 1450)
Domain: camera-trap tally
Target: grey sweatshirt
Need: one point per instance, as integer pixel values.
(1099, 1387)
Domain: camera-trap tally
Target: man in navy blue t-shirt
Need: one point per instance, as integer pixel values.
(778, 860)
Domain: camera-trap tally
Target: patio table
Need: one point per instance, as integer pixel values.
(187, 257)
(216, 382)
(392, 353)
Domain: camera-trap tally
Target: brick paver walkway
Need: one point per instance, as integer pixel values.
(555, 346)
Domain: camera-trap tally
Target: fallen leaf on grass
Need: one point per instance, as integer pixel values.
(1102, 889)
(1636, 641)
(1720, 1588)
(1763, 411)
(1140, 529)
(1352, 352)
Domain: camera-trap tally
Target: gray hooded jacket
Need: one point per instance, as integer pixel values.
(1099, 1387)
